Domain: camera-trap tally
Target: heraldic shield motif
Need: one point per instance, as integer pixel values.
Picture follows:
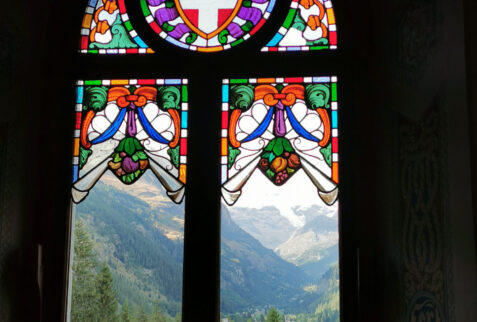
(209, 25)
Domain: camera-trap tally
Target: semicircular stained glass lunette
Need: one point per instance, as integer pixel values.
(208, 25)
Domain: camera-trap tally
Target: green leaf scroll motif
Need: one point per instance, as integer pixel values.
(233, 153)
(191, 38)
(95, 98)
(326, 151)
(318, 96)
(174, 154)
(83, 156)
(247, 27)
(241, 97)
(168, 97)
(120, 37)
(129, 146)
(277, 146)
(223, 36)
(299, 23)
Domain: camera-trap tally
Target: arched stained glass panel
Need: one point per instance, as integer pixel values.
(208, 25)
(106, 29)
(309, 25)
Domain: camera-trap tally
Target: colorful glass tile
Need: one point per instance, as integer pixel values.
(280, 126)
(128, 126)
(106, 29)
(309, 25)
(208, 25)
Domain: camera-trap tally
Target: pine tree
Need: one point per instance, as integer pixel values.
(156, 315)
(141, 314)
(83, 291)
(125, 313)
(107, 299)
(273, 316)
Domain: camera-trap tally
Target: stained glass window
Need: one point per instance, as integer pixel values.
(278, 191)
(279, 169)
(209, 25)
(128, 132)
(309, 25)
(106, 29)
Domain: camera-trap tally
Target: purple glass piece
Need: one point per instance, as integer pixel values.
(131, 122)
(279, 126)
(235, 30)
(251, 14)
(179, 31)
(155, 2)
(165, 14)
(129, 165)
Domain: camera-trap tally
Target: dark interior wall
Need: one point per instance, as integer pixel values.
(410, 103)
(35, 79)
(425, 241)
(470, 9)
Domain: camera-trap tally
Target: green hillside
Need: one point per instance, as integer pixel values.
(141, 243)
(146, 266)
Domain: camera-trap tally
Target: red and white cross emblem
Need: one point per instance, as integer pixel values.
(208, 15)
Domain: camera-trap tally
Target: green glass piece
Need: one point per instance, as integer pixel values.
(334, 95)
(299, 23)
(247, 26)
(185, 94)
(83, 156)
(95, 98)
(317, 96)
(167, 27)
(239, 81)
(174, 155)
(287, 146)
(168, 97)
(270, 145)
(235, 43)
(326, 151)
(233, 153)
(223, 36)
(191, 38)
(319, 47)
(170, 4)
(270, 174)
(128, 25)
(145, 8)
(290, 18)
(278, 147)
(92, 82)
(241, 97)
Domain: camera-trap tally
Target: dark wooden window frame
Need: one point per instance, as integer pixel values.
(205, 72)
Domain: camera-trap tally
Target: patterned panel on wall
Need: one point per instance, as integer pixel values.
(424, 253)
